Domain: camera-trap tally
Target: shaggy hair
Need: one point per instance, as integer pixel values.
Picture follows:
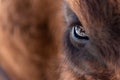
(99, 59)
(31, 34)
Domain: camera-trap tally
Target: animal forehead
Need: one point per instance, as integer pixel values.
(92, 2)
(94, 5)
(95, 9)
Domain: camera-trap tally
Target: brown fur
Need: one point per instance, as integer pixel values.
(28, 45)
(100, 58)
(31, 34)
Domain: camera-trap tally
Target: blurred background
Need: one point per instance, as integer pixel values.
(31, 34)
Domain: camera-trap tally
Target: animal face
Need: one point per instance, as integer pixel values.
(92, 39)
(30, 39)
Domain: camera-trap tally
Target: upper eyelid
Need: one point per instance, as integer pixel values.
(70, 17)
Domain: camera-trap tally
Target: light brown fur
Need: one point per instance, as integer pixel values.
(31, 40)
(28, 42)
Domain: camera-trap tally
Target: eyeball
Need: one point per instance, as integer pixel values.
(78, 35)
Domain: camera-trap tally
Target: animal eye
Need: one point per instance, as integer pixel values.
(78, 35)
(78, 32)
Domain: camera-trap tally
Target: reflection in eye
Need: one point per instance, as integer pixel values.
(78, 35)
(79, 32)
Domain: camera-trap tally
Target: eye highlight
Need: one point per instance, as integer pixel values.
(79, 32)
(78, 36)
(76, 30)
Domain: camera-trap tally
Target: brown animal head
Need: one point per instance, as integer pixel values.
(92, 39)
(30, 39)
